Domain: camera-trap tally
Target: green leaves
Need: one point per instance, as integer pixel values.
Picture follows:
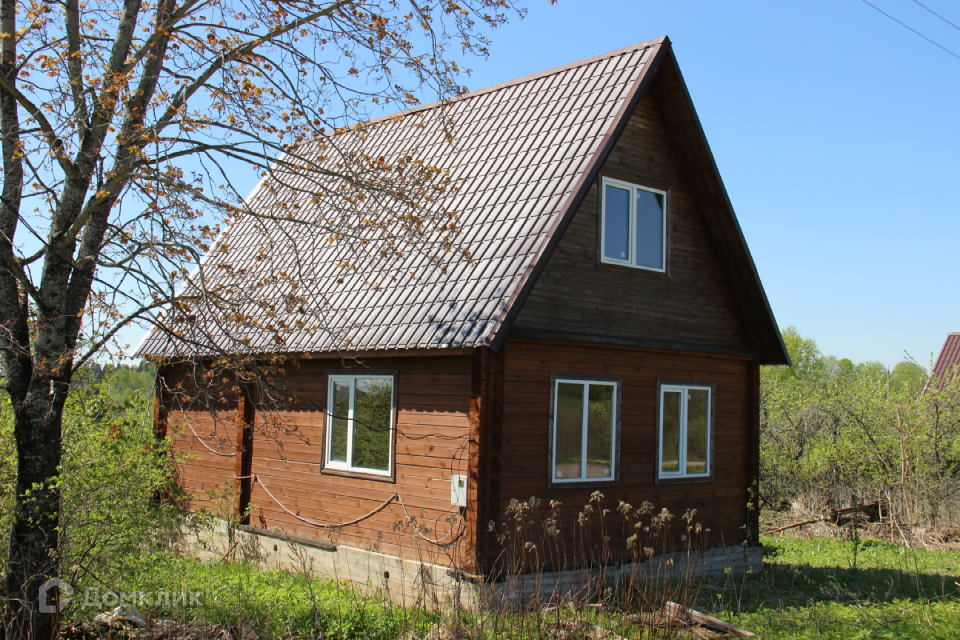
(837, 432)
(112, 469)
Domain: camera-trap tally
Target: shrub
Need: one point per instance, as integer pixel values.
(835, 432)
(112, 476)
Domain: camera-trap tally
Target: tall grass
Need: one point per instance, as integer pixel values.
(543, 584)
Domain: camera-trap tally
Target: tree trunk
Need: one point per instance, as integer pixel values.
(34, 551)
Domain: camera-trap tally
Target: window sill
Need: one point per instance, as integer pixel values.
(361, 475)
(629, 265)
(584, 484)
(626, 266)
(683, 479)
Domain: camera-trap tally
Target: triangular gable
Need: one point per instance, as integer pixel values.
(662, 82)
(689, 306)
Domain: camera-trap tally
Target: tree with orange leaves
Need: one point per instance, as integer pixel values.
(124, 124)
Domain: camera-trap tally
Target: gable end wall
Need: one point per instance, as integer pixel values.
(691, 304)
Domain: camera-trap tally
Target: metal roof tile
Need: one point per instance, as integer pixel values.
(519, 149)
(949, 358)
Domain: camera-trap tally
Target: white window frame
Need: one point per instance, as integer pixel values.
(682, 474)
(328, 436)
(614, 430)
(632, 221)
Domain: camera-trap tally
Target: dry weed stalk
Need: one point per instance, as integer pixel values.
(551, 574)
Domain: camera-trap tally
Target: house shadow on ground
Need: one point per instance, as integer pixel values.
(794, 584)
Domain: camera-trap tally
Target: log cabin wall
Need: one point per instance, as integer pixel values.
(691, 304)
(202, 424)
(721, 504)
(433, 396)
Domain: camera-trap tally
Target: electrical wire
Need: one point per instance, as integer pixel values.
(319, 525)
(902, 24)
(937, 14)
(440, 541)
(219, 453)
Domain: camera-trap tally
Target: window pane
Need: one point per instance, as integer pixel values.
(371, 423)
(600, 431)
(698, 415)
(341, 411)
(616, 224)
(569, 430)
(670, 447)
(649, 229)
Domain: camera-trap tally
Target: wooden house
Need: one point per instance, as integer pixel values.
(947, 363)
(605, 336)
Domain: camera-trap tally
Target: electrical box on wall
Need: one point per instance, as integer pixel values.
(458, 491)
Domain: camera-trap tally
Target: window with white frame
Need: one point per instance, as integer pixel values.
(584, 430)
(360, 423)
(684, 434)
(633, 231)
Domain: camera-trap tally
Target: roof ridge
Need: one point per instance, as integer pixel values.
(517, 81)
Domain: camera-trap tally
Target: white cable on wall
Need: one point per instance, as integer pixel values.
(438, 542)
(219, 453)
(320, 525)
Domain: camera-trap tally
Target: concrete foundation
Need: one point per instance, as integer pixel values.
(433, 586)
(406, 582)
(672, 571)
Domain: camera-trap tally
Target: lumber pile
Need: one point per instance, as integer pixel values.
(862, 513)
(686, 621)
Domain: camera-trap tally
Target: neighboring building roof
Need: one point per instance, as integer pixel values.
(524, 156)
(949, 358)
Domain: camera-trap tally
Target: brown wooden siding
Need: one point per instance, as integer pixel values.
(203, 429)
(433, 397)
(720, 504)
(691, 304)
(510, 394)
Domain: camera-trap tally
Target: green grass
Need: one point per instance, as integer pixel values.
(816, 588)
(252, 602)
(826, 588)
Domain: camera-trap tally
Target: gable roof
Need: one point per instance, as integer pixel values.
(949, 358)
(524, 157)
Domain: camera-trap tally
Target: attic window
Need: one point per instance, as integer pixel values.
(360, 424)
(634, 225)
(583, 438)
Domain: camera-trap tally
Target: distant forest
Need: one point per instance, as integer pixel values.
(125, 380)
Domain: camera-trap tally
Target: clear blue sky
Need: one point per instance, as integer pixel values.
(835, 130)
